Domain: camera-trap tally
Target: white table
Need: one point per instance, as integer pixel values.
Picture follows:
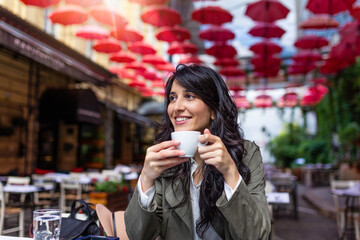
(278, 198)
(26, 188)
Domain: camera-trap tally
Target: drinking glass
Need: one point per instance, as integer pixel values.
(46, 224)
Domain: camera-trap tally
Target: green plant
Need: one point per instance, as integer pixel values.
(111, 186)
(284, 147)
(314, 151)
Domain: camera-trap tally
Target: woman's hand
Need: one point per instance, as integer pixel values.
(159, 158)
(216, 154)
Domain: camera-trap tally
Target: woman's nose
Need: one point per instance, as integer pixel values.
(179, 106)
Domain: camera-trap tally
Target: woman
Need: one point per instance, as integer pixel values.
(218, 194)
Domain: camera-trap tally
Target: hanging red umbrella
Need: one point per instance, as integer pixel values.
(126, 34)
(266, 11)
(241, 102)
(350, 32)
(263, 101)
(289, 99)
(355, 12)
(298, 68)
(141, 48)
(84, 3)
(311, 42)
(158, 84)
(165, 67)
(333, 65)
(107, 46)
(221, 50)
(236, 84)
(161, 16)
(122, 57)
(217, 34)
(320, 80)
(181, 48)
(265, 47)
(41, 3)
(262, 61)
(226, 62)
(136, 83)
(307, 56)
(314, 95)
(266, 73)
(138, 66)
(345, 50)
(148, 75)
(105, 15)
(191, 59)
(68, 15)
(329, 6)
(92, 32)
(153, 59)
(211, 15)
(231, 71)
(319, 22)
(122, 72)
(173, 34)
(148, 2)
(266, 30)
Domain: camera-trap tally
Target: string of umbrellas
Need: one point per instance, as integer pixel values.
(137, 61)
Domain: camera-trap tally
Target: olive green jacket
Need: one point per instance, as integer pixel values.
(247, 215)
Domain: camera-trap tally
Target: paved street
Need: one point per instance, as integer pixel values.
(310, 224)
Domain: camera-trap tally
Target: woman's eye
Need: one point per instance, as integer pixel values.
(190, 96)
(172, 98)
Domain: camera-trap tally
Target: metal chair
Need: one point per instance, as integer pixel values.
(44, 198)
(70, 190)
(7, 212)
(17, 181)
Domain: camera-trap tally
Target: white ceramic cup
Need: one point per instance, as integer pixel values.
(189, 142)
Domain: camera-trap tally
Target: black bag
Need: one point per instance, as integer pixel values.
(72, 228)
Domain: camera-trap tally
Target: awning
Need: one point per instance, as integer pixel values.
(151, 108)
(69, 105)
(134, 117)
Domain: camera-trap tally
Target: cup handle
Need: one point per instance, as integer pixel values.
(202, 144)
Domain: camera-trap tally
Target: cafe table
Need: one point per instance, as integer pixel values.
(278, 198)
(351, 195)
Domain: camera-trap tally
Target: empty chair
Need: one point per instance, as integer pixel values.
(17, 181)
(70, 190)
(46, 197)
(7, 212)
(111, 175)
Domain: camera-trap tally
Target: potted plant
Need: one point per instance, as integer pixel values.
(113, 194)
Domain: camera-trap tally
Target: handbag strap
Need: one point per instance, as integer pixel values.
(84, 206)
(114, 224)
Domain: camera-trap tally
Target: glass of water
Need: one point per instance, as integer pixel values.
(46, 224)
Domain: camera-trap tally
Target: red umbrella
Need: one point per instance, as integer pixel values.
(173, 34)
(266, 73)
(141, 48)
(314, 95)
(263, 101)
(216, 34)
(153, 59)
(181, 48)
(126, 34)
(311, 42)
(107, 46)
(137, 83)
(226, 62)
(138, 66)
(351, 32)
(221, 50)
(122, 72)
(68, 15)
(41, 3)
(242, 103)
(231, 71)
(290, 99)
(211, 15)
(161, 16)
(165, 67)
(334, 65)
(329, 6)
(148, 2)
(307, 56)
(265, 48)
(190, 59)
(108, 16)
(84, 3)
(266, 30)
(298, 68)
(266, 11)
(319, 22)
(152, 76)
(158, 83)
(262, 61)
(122, 57)
(345, 50)
(92, 32)
(355, 12)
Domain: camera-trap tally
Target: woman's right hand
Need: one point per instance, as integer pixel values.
(159, 158)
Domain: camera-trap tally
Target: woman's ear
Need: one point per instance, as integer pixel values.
(212, 116)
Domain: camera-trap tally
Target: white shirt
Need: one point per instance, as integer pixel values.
(147, 197)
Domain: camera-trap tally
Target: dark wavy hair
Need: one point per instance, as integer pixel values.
(208, 85)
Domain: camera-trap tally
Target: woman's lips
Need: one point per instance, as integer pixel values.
(181, 120)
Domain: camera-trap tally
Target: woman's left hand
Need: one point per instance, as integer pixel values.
(216, 154)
